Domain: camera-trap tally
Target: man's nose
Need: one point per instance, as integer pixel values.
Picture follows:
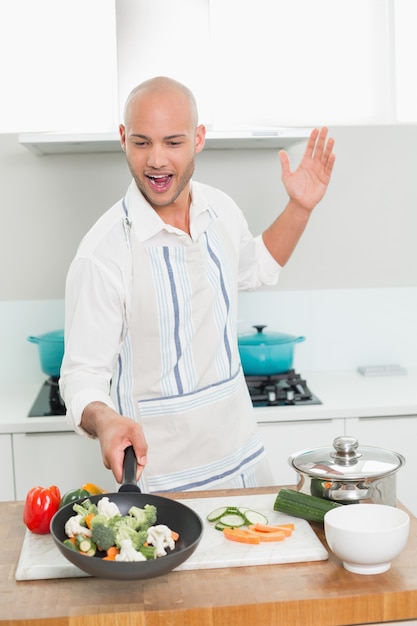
(157, 156)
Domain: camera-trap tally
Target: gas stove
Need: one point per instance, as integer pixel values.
(286, 389)
(48, 401)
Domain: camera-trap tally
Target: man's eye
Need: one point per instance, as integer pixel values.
(140, 144)
(174, 143)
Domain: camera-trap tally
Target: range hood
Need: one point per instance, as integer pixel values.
(76, 143)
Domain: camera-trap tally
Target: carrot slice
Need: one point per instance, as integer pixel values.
(242, 536)
(277, 536)
(88, 519)
(264, 528)
(174, 535)
(112, 552)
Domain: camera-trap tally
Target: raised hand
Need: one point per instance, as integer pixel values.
(308, 183)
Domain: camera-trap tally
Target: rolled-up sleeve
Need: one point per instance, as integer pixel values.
(257, 267)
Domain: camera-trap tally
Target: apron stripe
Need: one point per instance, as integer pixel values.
(192, 400)
(174, 297)
(208, 475)
(123, 388)
(222, 307)
(173, 294)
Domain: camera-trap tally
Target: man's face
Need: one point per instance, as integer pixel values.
(160, 141)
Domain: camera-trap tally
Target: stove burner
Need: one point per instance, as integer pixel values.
(284, 389)
(48, 401)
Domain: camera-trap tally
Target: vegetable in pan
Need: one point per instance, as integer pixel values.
(132, 537)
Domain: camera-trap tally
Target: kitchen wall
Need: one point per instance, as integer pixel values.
(350, 287)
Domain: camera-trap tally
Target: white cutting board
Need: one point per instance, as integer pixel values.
(41, 559)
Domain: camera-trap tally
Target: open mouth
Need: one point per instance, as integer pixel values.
(159, 182)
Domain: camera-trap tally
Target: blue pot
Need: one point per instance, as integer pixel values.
(51, 351)
(265, 354)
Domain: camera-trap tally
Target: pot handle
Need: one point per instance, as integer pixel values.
(33, 339)
(129, 471)
(299, 339)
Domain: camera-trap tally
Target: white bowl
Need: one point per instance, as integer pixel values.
(366, 537)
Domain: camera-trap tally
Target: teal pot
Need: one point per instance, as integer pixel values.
(51, 351)
(266, 353)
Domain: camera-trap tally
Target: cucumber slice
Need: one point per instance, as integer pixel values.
(216, 514)
(232, 520)
(233, 517)
(242, 509)
(253, 517)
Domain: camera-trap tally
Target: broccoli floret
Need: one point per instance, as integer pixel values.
(119, 520)
(85, 508)
(143, 517)
(124, 532)
(99, 519)
(103, 536)
(141, 537)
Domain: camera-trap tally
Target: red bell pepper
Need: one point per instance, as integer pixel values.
(40, 506)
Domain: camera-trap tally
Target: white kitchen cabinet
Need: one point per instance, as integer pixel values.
(398, 434)
(64, 459)
(6, 469)
(282, 439)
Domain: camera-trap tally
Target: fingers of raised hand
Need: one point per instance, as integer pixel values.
(320, 149)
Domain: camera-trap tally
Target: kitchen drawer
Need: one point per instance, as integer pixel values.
(7, 491)
(64, 459)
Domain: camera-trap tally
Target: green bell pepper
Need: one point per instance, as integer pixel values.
(72, 495)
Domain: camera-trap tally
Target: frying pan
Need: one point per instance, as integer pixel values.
(174, 514)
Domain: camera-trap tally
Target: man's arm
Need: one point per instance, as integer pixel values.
(115, 433)
(305, 186)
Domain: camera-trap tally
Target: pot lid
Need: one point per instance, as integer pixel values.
(260, 338)
(54, 336)
(348, 460)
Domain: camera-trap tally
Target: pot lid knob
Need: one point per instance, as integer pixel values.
(346, 450)
(259, 327)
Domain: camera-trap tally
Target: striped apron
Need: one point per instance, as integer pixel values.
(187, 385)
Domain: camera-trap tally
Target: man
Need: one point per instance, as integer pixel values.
(151, 357)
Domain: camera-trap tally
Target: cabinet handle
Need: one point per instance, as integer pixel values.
(384, 417)
(49, 432)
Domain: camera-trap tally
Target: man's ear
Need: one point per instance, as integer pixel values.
(122, 133)
(200, 138)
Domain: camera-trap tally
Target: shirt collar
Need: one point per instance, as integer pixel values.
(147, 222)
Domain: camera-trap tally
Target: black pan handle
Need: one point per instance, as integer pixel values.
(129, 482)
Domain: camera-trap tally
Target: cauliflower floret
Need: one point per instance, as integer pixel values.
(107, 508)
(160, 537)
(128, 552)
(73, 527)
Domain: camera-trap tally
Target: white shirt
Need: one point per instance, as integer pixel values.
(99, 285)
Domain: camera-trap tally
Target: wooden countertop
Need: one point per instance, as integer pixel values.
(318, 593)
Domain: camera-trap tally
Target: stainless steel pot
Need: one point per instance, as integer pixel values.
(348, 473)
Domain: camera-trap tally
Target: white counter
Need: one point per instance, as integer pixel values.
(350, 394)
(15, 404)
(343, 394)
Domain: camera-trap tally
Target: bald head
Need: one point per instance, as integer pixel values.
(164, 87)
(160, 138)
